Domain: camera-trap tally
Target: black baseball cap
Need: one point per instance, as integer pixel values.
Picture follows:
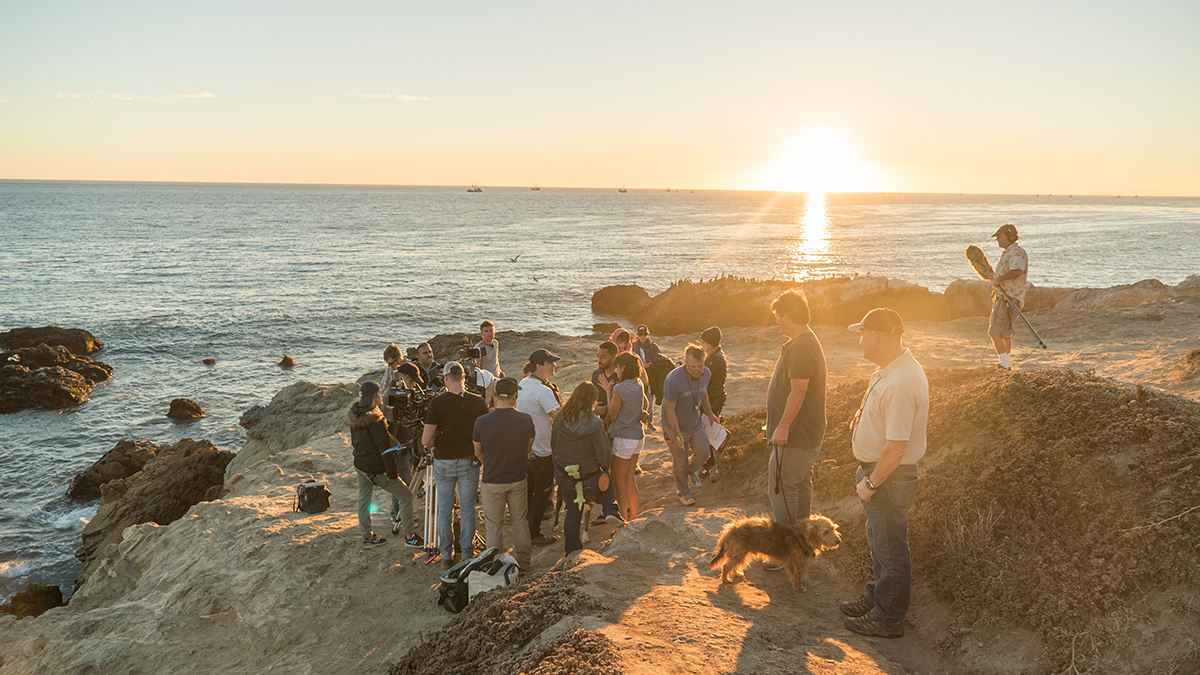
(542, 356)
(366, 392)
(506, 388)
(642, 330)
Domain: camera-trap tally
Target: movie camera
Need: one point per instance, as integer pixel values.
(409, 404)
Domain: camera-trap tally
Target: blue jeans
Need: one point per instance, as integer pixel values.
(887, 534)
(566, 487)
(448, 474)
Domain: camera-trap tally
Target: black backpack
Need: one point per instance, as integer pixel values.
(454, 594)
(312, 497)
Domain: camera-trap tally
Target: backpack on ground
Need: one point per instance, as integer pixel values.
(500, 573)
(312, 497)
(455, 591)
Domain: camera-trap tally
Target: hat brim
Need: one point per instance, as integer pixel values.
(856, 327)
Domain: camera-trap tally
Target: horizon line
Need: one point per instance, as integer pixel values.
(1114, 195)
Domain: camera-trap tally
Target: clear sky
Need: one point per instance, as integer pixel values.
(1012, 97)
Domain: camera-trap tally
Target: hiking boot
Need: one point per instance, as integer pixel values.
(714, 475)
(414, 540)
(872, 627)
(542, 540)
(687, 500)
(859, 607)
(615, 521)
(373, 541)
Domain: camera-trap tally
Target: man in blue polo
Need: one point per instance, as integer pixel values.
(685, 396)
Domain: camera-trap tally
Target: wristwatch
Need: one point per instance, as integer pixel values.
(870, 486)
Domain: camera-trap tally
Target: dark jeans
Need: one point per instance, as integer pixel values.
(566, 488)
(887, 534)
(541, 481)
(404, 470)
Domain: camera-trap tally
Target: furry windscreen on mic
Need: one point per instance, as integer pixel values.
(979, 261)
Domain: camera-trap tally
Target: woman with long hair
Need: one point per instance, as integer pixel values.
(622, 339)
(579, 440)
(624, 419)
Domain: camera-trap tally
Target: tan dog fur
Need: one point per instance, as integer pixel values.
(745, 540)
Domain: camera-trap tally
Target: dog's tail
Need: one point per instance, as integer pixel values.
(716, 561)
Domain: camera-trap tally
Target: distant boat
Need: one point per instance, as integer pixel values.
(668, 189)
(474, 188)
(535, 187)
(622, 189)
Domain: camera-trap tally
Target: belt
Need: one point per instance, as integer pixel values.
(870, 466)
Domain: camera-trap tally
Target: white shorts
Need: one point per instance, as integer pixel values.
(626, 448)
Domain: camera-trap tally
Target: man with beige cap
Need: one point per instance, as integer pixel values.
(1011, 274)
(888, 434)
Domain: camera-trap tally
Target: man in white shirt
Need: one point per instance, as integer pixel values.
(888, 440)
(1011, 275)
(539, 398)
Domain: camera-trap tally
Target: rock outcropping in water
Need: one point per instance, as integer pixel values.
(48, 377)
(125, 459)
(691, 306)
(76, 340)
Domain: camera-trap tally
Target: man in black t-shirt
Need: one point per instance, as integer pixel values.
(795, 411)
(503, 441)
(449, 426)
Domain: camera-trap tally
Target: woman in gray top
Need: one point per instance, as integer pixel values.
(626, 401)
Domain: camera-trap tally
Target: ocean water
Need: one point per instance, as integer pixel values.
(169, 274)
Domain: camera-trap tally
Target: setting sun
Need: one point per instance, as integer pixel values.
(820, 160)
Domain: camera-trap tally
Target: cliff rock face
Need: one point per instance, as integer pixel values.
(167, 486)
(47, 377)
(125, 459)
(297, 413)
(76, 340)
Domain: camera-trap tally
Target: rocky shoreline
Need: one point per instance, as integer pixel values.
(196, 561)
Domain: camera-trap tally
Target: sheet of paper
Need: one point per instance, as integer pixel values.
(716, 433)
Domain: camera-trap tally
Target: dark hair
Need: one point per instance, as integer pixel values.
(610, 347)
(630, 365)
(694, 352)
(528, 368)
(392, 351)
(582, 402)
(485, 324)
(424, 344)
(623, 336)
(793, 304)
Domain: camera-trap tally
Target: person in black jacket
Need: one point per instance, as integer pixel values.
(369, 437)
(580, 442)
(715, 361)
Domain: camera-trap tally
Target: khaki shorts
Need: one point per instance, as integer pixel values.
(1000, 324)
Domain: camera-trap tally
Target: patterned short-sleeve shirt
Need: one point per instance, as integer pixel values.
(1013, 258)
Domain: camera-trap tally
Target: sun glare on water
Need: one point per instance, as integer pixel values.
(820, 160)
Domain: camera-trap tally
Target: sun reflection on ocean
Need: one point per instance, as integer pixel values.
(809, 254)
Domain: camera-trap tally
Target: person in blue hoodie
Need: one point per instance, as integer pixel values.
(578, 440)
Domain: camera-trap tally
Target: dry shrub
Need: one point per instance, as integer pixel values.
(489, 635)
(1050, 500)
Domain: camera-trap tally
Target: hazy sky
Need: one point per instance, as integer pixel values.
(1015, 97)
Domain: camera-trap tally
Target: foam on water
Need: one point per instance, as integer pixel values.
(169, 274)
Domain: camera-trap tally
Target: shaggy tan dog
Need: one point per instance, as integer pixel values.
(749, 538)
